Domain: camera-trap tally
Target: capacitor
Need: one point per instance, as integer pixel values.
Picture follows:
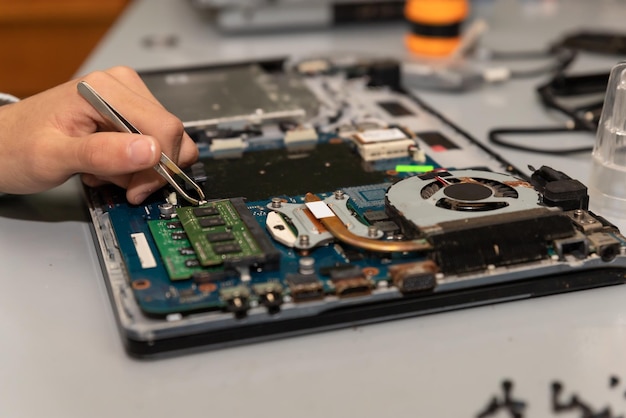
(435, 25)
(167, 210)
(306, 265)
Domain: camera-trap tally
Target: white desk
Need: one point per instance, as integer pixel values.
(60, 355)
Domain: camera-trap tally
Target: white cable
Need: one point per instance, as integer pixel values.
(496, 74)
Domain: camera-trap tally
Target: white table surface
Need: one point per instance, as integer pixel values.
(61, 355)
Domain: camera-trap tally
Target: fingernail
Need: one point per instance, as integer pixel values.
(141, 150)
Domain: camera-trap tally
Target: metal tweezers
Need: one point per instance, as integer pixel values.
(166, 167)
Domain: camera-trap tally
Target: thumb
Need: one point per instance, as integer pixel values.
(108, 154)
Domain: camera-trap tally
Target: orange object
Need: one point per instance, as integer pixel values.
(435, 25)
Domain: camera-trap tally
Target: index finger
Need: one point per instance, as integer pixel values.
(123, 89)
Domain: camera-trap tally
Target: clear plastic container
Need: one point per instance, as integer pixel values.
(607, 185)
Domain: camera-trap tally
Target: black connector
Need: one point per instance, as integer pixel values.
(384, 73)
(559, 189)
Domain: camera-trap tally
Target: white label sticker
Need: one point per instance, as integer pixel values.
(143, 250)
(320, 210)
(381, 135)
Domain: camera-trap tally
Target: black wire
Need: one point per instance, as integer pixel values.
(549, 93)
(549, 100)
(561, 59)
(495, 136)
(521, 55)
(582, 118)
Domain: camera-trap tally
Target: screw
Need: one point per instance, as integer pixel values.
(276, 202)
(304, 241)
(578, 214)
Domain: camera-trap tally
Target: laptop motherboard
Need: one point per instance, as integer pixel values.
(335, 198)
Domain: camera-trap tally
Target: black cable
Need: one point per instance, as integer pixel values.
(520, 54)
(495, 136)
(563, 57)
(560, 58)
(583, 118)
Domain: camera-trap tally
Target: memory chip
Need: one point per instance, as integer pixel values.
(175, 252)
(192, 263)
(174, 225)
(212, 221)
(220, 236)
(178, 235)
(205, 211)
(224, 232)
(186, 251)
(226, 248)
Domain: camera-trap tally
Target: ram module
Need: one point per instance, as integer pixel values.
(225, 232)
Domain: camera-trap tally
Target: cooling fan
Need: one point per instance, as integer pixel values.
(452, 195)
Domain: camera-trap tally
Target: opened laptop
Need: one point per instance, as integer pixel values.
(333, 198)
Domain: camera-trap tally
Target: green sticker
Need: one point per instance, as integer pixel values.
(414, 168)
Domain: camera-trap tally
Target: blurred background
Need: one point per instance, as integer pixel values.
(43, 42)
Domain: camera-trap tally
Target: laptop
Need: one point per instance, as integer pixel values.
(334, 198)
(240, 16)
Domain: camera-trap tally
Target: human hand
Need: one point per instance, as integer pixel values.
(48, 137)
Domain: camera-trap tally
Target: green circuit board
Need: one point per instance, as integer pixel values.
(176, 251)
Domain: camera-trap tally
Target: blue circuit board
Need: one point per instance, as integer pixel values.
(332, 197)
(159, 294)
